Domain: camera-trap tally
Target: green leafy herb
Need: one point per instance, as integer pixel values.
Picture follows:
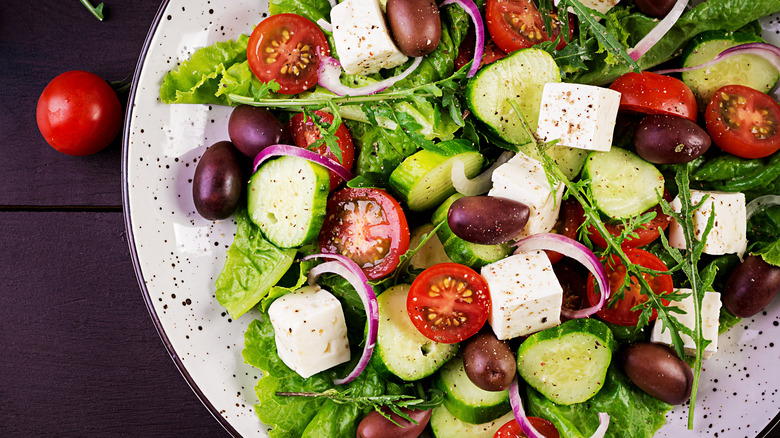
(97, 11)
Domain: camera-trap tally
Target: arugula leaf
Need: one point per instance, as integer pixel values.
(96, 11)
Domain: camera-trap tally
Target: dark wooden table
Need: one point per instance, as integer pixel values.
(79, 355)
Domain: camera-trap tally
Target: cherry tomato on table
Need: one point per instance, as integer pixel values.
(368, 226)
(79, 113)
(517, 24)
(744, 122)
(287, 48)
(512, 429)
(651, 93)
(620, 312)
(306, 132)
(448, 302)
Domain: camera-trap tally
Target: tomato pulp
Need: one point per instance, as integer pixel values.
(305, 132)
(448, 302)
(620, 312)
(517, 24)
(744, 122)
(368, 226)
(286, 48)
(512, 429)
(651, 93)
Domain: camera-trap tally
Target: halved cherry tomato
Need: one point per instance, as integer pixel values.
(517, 24)
(448, 302)
(573, 283)
(744, 122)
(490, 53)
(512, 429)
(287, 48)
(648, 233)
(307, 132)
(651, 93)
(368, 226)
(620, 312)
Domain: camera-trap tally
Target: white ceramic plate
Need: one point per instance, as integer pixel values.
(178, 255)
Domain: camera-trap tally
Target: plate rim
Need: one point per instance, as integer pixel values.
(128, 221)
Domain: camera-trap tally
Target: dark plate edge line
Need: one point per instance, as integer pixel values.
(129, 229)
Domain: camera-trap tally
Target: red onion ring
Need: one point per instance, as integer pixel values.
(351, 272)
(325, 25)
(658, 32)
(764, 50)
(278, 150)
(479, 184)
(517, 409)
(479, 30)
(329, 73)
(603, 426)
(579, 252)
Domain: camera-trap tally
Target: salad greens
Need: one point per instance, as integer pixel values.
(96, 11)
(392, 125)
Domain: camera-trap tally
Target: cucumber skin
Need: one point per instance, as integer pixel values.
(454, 372)
(587, 326)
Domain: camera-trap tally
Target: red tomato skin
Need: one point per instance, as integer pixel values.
(78, 113)
(571, 213)
(420, 302)
(742, 142)
(507, 37)
(620, 313)
(490, 53)
(306, 133)
(651, 93)
(652, 230)
(395, 228)
(512, 429)
(286, 55)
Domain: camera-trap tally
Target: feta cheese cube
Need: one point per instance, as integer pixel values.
(729, 231)
(602, 6)
(363, 40)
(581, 116)
(310, 330)
(525, 295)
(523, 179)
(710, 316)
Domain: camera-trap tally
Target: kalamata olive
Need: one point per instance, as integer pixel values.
(489, 363)
(656, 369)
(751, 286)
(663, 139)
(218, 181)
(415, 25)
(487, 220)
(374, 425)
(252, 129)
(655, 8)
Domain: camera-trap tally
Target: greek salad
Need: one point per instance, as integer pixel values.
(490, 218)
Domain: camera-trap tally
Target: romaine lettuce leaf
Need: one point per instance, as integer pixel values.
(252, 266)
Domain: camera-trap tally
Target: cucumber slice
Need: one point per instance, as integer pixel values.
(287, 199)
(424, 179)
(569, 160)
(518, 78)
(567, 363)
(623, 184)
(429, 254)
(465, 400)
(401, 349)
(446, 425)
(749, 70)
(460, 251)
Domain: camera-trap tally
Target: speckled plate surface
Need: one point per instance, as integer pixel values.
(178, 255)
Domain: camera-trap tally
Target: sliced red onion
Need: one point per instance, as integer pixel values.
(658, 31)
(329, 73)
(479, 184)
(278, 150)
(517, 409)
(603, 426)
(333, 3)
(579, 252)
(345, 267)
(479, 28)
(767, 51)
(325, 25)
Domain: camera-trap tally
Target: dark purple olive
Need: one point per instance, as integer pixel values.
(663, 139)
(253, 129)
(415, 25)
(656, 369)
(751, 286)
(374, 425)
(218, 181)
(489, 363)
(655, 8)
(487, 220)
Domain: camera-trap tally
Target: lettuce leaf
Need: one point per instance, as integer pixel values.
(632, 412)
(252, 266)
